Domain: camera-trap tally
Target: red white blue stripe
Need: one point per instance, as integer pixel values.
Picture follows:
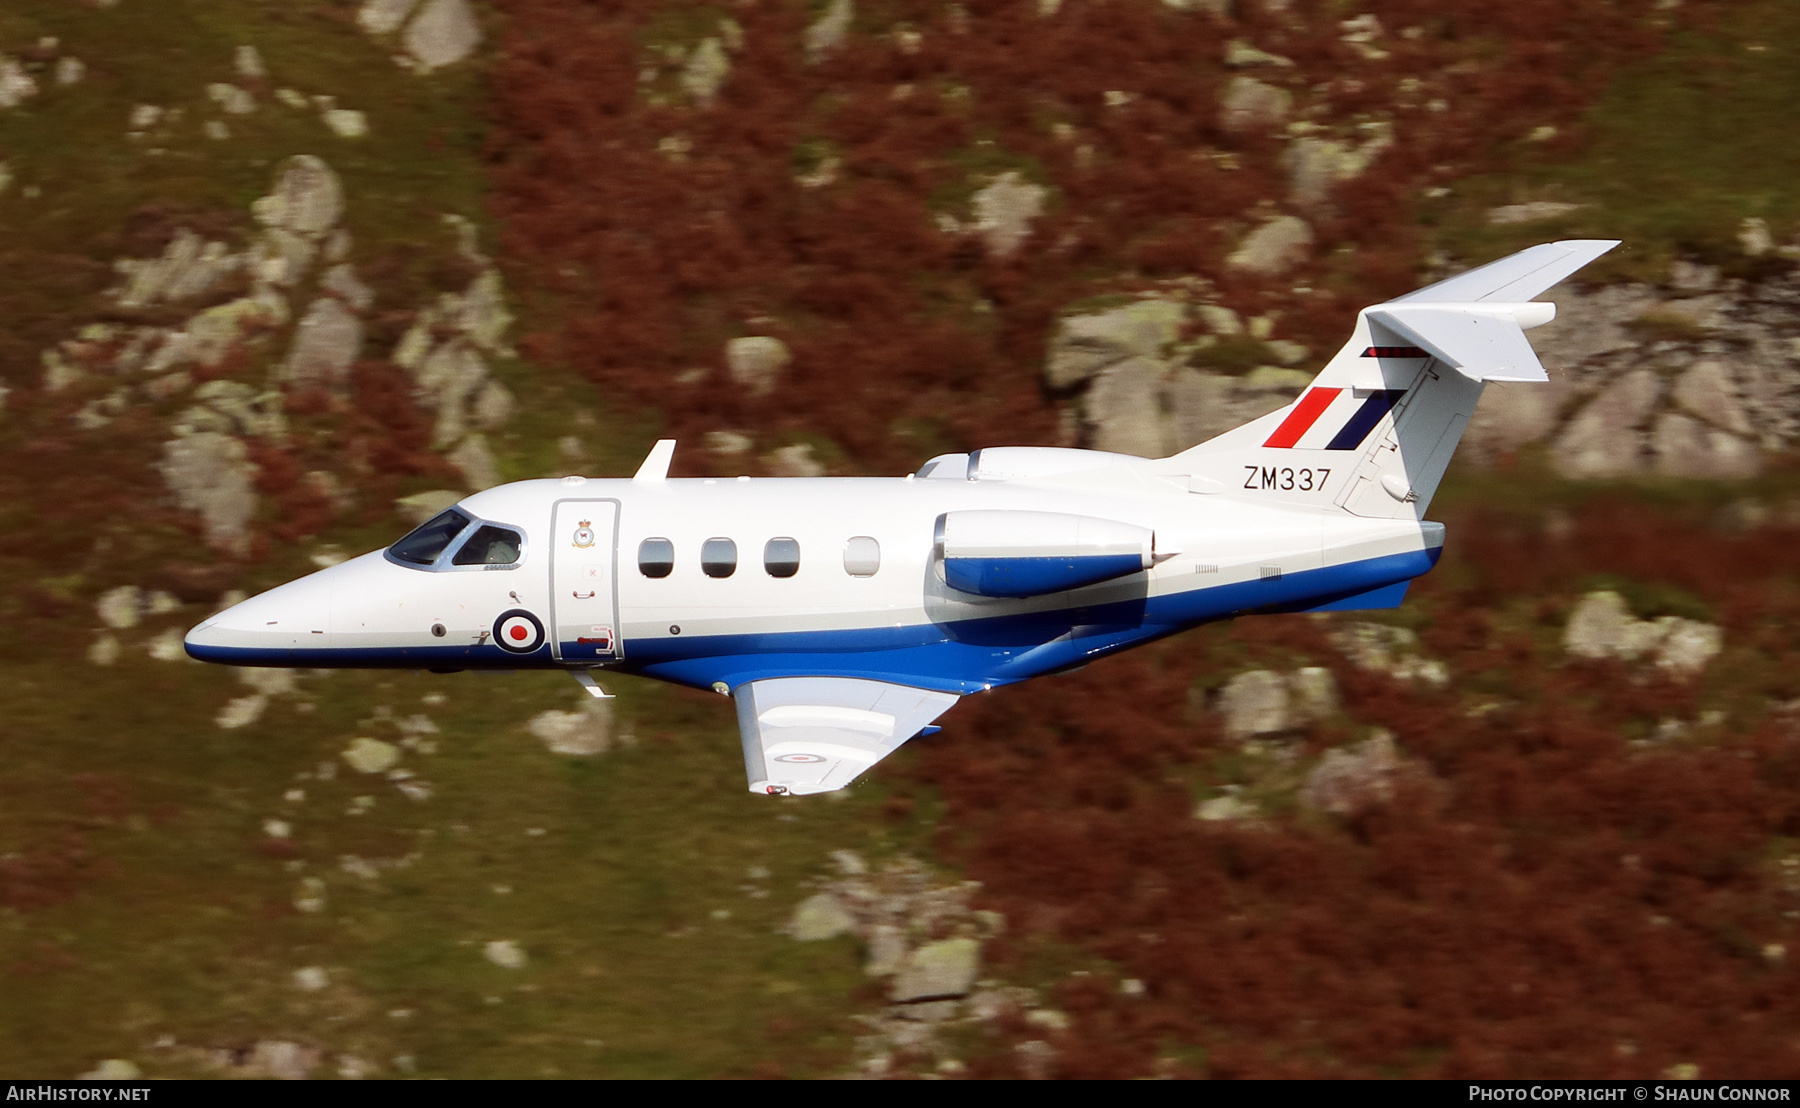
(1333, 419)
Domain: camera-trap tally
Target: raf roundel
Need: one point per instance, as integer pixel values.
(518, 631)
(584, 534)
(800, 759)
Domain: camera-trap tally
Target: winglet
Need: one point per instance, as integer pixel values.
(656, 463)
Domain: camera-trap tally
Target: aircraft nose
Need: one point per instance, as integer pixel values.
(267, 629)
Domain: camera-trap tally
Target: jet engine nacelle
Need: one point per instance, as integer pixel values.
(1013, 554)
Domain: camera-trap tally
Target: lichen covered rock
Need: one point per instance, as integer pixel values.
(443, 33)
(1602, 626)
(211, 475)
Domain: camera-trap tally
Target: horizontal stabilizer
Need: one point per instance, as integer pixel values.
(1485, 342)
(816, 734)
(1516, 277)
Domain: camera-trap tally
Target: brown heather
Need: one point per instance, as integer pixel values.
(646, 265)
(1549, 901)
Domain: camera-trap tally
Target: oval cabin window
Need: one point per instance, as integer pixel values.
(781, 557)
(862, 556)
(656, 557)
(718, 558)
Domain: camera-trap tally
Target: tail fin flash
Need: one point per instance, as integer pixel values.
(1374, 432)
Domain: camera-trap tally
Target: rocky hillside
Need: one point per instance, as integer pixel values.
(1697, 377)
(253, 322)
(280, 277)
(908, 197)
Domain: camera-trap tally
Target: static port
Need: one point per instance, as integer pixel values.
(438, 630)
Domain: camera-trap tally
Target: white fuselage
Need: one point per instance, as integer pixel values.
(581, 599)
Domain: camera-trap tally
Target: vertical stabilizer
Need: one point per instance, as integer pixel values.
(1374, 432)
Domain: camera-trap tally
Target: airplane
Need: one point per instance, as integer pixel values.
(844, 615)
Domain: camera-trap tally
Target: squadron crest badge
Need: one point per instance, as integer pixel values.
(584, 534)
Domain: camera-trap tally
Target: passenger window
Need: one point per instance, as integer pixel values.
(862, 556)
(423, 545)
(489, 546)
(656, 557)
(718, 557)
(782, 557)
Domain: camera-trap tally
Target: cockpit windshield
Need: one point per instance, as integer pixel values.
(425, 543)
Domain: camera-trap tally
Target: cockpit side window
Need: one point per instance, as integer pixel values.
(423, 545)
(489, 546)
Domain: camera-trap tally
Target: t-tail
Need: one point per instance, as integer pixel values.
(1375, 430)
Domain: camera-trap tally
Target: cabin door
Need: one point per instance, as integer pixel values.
(584, 596)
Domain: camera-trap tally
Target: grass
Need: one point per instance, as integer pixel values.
(70, 142)
(610, 872)
(1236, 355)
(1681, 149)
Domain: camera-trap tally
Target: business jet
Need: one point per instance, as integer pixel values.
(844, 615)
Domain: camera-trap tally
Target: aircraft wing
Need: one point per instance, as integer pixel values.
(816, 734)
